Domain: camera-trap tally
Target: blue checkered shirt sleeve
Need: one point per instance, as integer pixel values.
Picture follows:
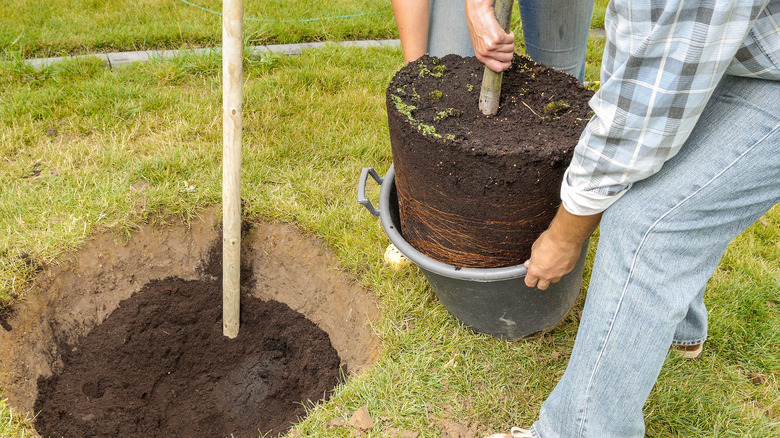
(662, 61)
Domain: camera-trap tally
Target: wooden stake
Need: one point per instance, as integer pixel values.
(490, 93)
(232, 59)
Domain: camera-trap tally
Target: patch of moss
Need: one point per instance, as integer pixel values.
(436, 94)
(449, 112)
(404, 91)
(556, 108)
(407, 110)
(436, 72)
(402, 107)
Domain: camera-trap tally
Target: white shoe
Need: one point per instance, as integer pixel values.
(514, 432)
(395, 259)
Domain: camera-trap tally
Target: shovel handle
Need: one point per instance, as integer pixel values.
(490, 94)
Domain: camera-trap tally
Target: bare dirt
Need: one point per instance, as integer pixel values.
(159, 366)
(476, 191)
(149, 306)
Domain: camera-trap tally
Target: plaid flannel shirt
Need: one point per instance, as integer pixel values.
(662, 61)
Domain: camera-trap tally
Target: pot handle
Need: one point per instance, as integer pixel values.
(362, 199)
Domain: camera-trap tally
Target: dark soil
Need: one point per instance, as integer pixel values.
(159, 366)
(4, 315)
(476, 191)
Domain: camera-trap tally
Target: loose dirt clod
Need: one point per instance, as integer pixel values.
(361, 419)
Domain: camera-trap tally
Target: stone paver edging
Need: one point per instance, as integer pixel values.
(118, 59)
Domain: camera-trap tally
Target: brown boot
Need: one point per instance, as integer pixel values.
(690, 352)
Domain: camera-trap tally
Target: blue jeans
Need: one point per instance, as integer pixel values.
(658, 246)
(555, 31)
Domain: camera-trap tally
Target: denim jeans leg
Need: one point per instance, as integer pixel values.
(447, 30)
(658, 246)
(692, 330)
(556, 33)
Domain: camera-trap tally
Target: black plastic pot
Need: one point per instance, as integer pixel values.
(493, 301)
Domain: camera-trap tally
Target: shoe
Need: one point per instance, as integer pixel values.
(690, 352)
(395, 259)
(514, 432)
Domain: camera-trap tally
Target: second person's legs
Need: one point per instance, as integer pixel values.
(555, 31)
(448, 32)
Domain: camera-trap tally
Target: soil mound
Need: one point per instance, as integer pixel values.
(159, 366)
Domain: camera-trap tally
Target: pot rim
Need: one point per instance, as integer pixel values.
(427, 263)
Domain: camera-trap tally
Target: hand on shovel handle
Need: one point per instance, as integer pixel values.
(481, 29)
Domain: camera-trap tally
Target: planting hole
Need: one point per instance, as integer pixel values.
(126, 339)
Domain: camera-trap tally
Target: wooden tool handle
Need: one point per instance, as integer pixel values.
(232, 60)
(490, 93)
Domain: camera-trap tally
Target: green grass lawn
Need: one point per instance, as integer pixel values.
(36, 29)
(60, 27)
(86, 148)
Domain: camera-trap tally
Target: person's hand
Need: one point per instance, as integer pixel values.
(558, 249)
(492, 45)
(551, 259)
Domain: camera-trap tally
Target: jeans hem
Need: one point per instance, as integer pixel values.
(688, 343)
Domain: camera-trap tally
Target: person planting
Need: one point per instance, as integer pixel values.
(680, 157)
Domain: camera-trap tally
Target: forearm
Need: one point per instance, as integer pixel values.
(573, 230)
(411, 19)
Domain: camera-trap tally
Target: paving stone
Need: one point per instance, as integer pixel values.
(119, 59)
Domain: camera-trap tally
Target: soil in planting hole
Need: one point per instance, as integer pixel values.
(159, 366)
(217, 387)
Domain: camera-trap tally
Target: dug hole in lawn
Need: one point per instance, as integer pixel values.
(125, 337)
